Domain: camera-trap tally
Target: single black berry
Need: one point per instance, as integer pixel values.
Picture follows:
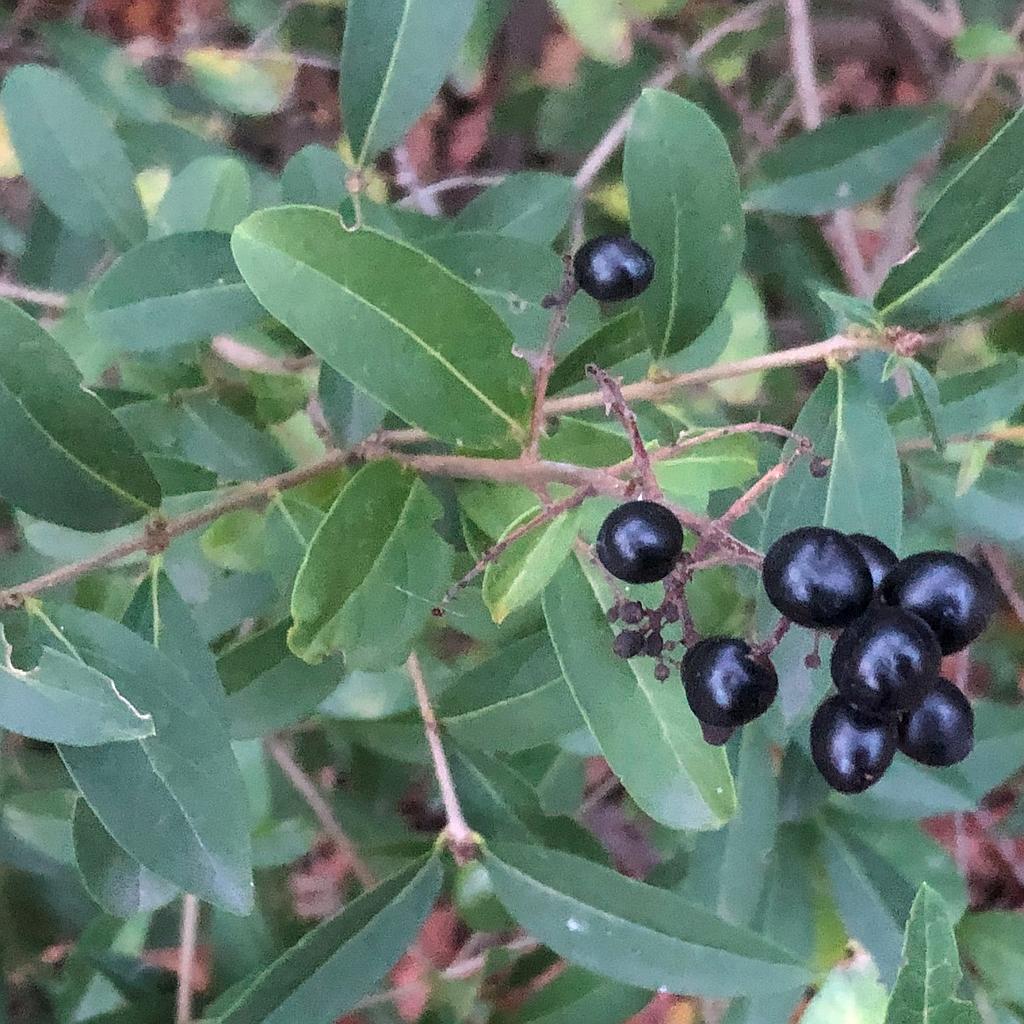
(629, 643)
(661, 671)
(850, 748)
(640, 541)
(725, 685)
(879, 557)
(817, 577)
(883, 659)
(938, 729)
(632, 612)
(654, 645)
(613, 269)
(953, 595)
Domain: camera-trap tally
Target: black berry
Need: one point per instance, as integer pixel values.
(850, 748)
(629, 643)
(938, 729)
(639, 542)
(817, 577)
(654, 645)
(632, 612)
(725, 686)
(953, 595)
(661, 671)
(716, 735)
(613, 269)
(880, 557)
(883, 659)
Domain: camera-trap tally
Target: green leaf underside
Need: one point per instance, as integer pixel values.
(337, 963)
(114, 879)
(926, 987)
(970, 244)
(632, 932)
(532, 205)
(55, 429)
(173, 290)
(847, 161)
(372, 603)
(645, 729)
(394, 58)
(71, 155)
(356, 299)
(154, 795)
(65, 701)
(212, 193)
(684, 202)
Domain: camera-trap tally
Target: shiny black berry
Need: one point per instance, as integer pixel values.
(883, 659)
(850, 748)
(725, 685)
(953, 595)
(938, 729)
(879, 557)
(613, 269)
(639, 542)
(629, 643)
(817, 577)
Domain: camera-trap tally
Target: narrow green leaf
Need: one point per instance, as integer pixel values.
(684, 207)
(55, 429)
(446, 365)
(926, 394)
(372, 602)
(645, 729)
(351, 413)
(212, 193)
(970, 244)
(71, 155)
(532, 205)
(333, 966)
(255, 85)
(846, 161)
(65, 701)
(203, 843)
(526, 567)
(609, 345)
(395, 56)
(315, 175)
(927, 984)
(993, 942)
(514, 701)
(114, 879)
(600, 26)
(632, 932)
(173, 290)
(576, 996)
(851, 994)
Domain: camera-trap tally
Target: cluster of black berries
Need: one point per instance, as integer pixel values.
(898, 619)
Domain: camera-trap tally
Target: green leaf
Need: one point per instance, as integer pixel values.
(992, 942)
(65, 701)
(609, 345)
(846, 161)
(57, 430)
(851, 994)
(268, 687)
(645, 729)
(926, 394)
(212, 193)
(985, 40)
(632, 932)
(351, 414)
(514, 701)
(927, 984)
(333, 966)
(372, 602)
(970, 244)
(446, 365)
(716, 466)
(114, 879)
(600, 26)
(577, 996)
(395, 56)
(531, 205)
(203, 843)
(71, 156)
(684, 208)
(315, 175)
(104, 72)
(254, 86)
(173, 290)
(526, 567)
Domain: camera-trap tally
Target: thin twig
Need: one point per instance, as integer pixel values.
(186, 958)
(22, 293)
(308, 790)
(947, 23)
(407, 179)
(451, 184)
(265, 37)
(843, 230)
(461, 838)
(1003, 574)
(244, 357)
(1012, 435)
(615, 405)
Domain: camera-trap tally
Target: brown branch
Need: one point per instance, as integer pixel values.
(743, 504)
(186, 958)
(615, 405)
(461, 839)
(310, 793)
(21, 293)
(1003, 575)
(244, 357)
(1012, 435)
